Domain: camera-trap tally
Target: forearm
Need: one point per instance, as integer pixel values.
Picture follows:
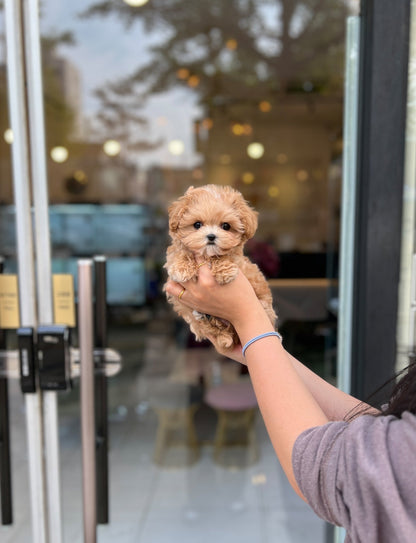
(335, 403)
(291, 398)
(286, 403)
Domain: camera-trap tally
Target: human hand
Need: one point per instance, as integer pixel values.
(235, 302)
(235, 353)
(230, 301)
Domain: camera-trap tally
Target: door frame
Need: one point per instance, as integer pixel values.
(384, 55)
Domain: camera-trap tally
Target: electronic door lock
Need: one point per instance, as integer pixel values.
(26, 348)
(53, 357)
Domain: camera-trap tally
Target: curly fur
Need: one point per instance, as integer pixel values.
(213, 223)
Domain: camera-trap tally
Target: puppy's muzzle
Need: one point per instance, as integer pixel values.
(211, 239)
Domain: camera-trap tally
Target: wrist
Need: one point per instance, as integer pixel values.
(258, 338)
(252, 323)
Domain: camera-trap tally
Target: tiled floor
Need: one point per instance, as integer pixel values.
(202, 503)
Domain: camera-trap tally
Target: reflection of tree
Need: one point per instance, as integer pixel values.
(239, 50)
(119, 118)
(58, 115)
(59, 118)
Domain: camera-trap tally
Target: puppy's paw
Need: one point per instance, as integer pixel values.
(199, 334)
(224, 341)
(225, 272)
(181, 276)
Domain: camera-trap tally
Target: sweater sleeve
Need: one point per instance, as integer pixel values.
(359, 475)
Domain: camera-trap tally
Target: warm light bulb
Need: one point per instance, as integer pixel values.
(248, 178)
(136, 3)
(231, 44)
(80, 176)
(59, 154)
(302, 175)
(207, 123)
(265, 106)
(182, 73)
(176, 147)
(273, 192)
(112, 147)
(8, 136)
(255, 150)
(193, 81)
(237, 129)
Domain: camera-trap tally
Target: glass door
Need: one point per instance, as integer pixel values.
(407, 291)
(143, 99)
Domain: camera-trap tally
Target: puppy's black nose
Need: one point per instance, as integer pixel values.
(211, 237)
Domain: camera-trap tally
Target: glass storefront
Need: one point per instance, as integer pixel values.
(142, 100)
(406, 315)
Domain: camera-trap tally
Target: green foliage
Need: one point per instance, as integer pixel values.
(235, 47)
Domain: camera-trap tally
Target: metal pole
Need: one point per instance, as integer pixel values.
(349, 192)
(5, 465)
(43, 252)
(101, 402)
(86, 348)
(21, 176)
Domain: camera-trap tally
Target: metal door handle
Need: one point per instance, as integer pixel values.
(86, 350)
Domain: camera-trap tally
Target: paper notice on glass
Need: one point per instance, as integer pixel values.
(64, 299)
(9, 302)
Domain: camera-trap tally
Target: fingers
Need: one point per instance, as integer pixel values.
(200, 261)
(205, 277)
(175, 289)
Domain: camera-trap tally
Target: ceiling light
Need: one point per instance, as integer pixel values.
(255, 150)
(176, 147)
(8, 136)
(136, 3)
(112, 147)
(59, 154)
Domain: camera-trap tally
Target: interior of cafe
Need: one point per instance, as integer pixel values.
(143, 99)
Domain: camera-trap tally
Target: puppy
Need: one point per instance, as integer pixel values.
(213, 223)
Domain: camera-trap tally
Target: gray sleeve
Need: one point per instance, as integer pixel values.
(315, 461)
(356, 475)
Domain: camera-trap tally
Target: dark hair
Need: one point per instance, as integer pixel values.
(402, 397)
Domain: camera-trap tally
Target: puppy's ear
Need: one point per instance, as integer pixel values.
(175, 211)
(249, 219)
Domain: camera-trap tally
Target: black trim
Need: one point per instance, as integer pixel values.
(382, 125)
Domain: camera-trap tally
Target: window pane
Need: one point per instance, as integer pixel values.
(142, 100)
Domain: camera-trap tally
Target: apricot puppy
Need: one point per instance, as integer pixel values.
(213, 223)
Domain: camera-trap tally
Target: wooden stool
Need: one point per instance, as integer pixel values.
(236, 407)
(175, 405)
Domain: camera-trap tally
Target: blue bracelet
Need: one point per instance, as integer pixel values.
(261, 336)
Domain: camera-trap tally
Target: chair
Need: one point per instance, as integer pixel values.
(175, 405)
(236, 408)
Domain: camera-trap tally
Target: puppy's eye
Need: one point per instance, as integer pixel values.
(197, 224)
(225, 226)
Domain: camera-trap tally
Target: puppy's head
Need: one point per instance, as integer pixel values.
(211, 220)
